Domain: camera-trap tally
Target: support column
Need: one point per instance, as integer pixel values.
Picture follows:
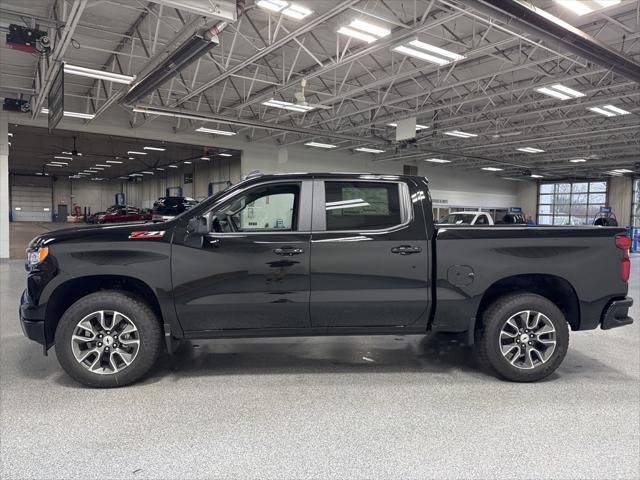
(4, 184)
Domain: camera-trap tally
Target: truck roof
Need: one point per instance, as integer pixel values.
(359, 175)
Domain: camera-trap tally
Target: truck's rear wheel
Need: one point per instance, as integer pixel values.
(107, 339)
(523, 338)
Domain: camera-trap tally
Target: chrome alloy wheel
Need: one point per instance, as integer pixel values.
(105, 342)
(527, 339)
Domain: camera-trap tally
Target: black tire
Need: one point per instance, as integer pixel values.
(488, 344)
(137, 311)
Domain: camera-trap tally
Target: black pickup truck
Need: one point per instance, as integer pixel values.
(319, 254)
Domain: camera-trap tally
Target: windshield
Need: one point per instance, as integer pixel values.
(458, 218)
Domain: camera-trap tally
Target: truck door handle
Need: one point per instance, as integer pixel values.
(406, 250)
(288, 251)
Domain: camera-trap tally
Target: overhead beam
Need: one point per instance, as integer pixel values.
(220, 9)
(57, 55)
(538, 22)
(269, 49)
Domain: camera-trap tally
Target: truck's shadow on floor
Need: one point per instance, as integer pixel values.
(434, 353)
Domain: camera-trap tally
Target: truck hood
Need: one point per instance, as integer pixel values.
(94, 233)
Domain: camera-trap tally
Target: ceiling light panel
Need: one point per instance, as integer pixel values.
(461, 134)
(427, 52)
(155, 149)
(578, 160)
(287, 105)
(113, 161)
(609, 110)
(99, 74)
(85, 116)
(530, 150)
(297, 12)
(492, 169)
(560, 91)
(437, 160)
(369, 150)
(320, 145)
(215, 131)
(133, 152)
(365, 31)
(583, 7)
(225, 154)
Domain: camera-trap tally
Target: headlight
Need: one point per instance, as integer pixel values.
(38, 256)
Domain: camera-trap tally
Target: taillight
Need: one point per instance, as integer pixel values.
(623, 242)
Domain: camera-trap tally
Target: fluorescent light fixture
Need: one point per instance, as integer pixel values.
(430, 53)
(437, 160)
(492, 169)
(58, 157)
(214, 131)
(135, 174)
(131, 158)
(418, 126)
(124, 178)
(273, 5)
(553, 93)
(535, 175)
(609, 110)
(205, 158)
(458, 133)
(54, 165)
(369, 150)
(156, 149)
(365, 31)
(365, 37)
(71, 153)
(615, 109)
(100, 74)
(10, 134)
(103, 165)
(96, 168)
(59, 163)
(147, 172)
(582, 7)
(567, 90)
(86, 116)
(114, 161)
(411, 52)
(160, 169)
(287, 105)
(621, 171)
(437, 50)
(225, 155)
(578, 160)
(132, 152)
(172, 166)
(296, 11)
(376, 30)
(320, 145)
(187, 162)
(530, 150)
(560, 91)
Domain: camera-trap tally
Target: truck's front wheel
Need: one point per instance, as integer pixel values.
(107, 339)
(523, 338)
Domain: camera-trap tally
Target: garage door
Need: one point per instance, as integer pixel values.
(31, 203)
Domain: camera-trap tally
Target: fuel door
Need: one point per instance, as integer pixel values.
(460, 275)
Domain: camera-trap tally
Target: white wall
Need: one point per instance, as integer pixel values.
(528, 197)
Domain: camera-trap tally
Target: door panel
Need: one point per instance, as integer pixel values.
(245, 279)
(368, 278)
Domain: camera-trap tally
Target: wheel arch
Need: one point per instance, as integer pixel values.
(556, 289)
(69, 292)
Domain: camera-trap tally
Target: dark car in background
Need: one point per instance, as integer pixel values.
(93, 218)
(124, 213)
(165, 208)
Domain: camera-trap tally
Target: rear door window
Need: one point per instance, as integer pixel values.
(362, 205)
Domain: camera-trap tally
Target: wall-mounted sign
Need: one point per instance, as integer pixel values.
(605, 209)
(188, 178)
(515, 210)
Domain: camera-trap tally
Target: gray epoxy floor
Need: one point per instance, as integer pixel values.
(349, 407)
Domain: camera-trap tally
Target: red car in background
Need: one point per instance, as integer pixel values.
(123, 213)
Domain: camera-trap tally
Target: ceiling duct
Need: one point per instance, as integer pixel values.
(186, 49)
(557, 32)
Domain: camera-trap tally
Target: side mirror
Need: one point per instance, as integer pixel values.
(197, 226)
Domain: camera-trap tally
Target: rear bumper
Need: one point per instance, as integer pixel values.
(32, 319)
(617, 314)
